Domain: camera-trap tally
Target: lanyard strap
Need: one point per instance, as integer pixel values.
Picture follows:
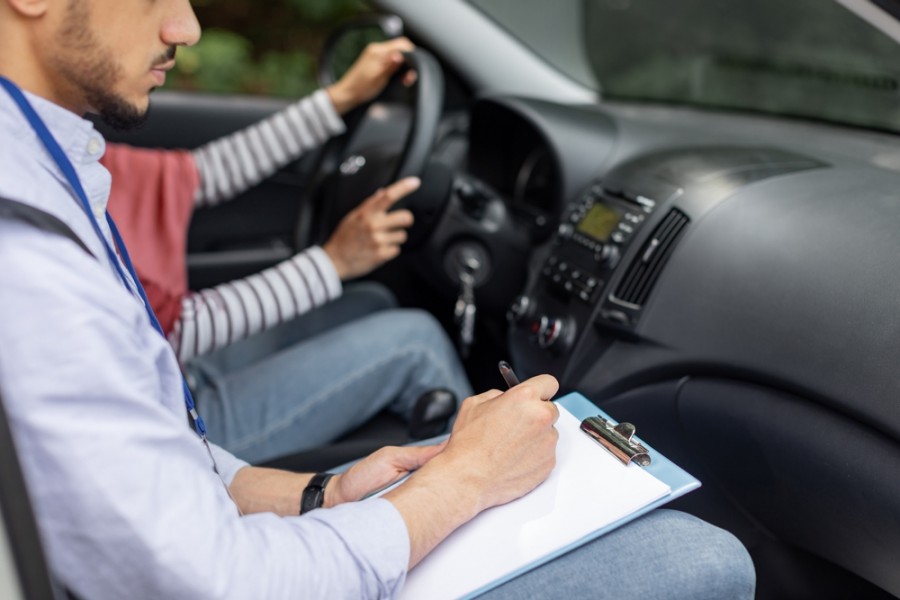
(65, 165)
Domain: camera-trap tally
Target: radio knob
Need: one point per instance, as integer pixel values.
(612, 259)
(608, 255)
(555, 334)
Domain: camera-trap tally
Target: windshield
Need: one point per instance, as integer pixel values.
(806, 58)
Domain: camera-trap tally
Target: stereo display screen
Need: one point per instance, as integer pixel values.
(599, 222)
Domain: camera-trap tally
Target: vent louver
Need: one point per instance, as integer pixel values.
(644, 270)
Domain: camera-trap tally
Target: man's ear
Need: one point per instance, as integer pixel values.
(29, 8)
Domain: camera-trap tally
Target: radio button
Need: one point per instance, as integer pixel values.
(647, 203)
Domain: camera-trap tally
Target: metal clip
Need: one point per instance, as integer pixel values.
(617, 439)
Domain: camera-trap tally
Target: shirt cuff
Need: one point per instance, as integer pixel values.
(227, 463)
(331, 119)
(330, 278)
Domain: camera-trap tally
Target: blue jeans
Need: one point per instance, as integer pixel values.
(664, 555)
(305, 383)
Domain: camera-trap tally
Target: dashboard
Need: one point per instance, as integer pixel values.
(651, 220)
(517, 162)
(727, 282)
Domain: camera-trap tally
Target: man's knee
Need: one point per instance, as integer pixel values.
(713, 562)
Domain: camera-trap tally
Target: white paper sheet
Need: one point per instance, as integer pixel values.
(589, 489)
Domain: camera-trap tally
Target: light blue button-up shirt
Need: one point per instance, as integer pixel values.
(124, 492)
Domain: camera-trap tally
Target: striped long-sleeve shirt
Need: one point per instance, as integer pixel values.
(212, 318)
(235, 163)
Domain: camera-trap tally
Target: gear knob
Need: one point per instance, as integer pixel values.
(431, 414)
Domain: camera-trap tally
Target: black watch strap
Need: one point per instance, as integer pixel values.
(314, 493)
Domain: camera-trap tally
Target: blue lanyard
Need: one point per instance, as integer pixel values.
(65, 165)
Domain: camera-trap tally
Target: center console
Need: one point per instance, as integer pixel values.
(594, 235)
(613, 243)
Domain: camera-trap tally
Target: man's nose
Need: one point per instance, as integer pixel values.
(181, 28)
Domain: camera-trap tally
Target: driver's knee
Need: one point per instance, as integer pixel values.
(417, 342)
(370, 296)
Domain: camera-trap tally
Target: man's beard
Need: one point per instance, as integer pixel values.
(115, 111)
(92, 70)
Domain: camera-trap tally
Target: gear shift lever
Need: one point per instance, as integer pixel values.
(431, 414)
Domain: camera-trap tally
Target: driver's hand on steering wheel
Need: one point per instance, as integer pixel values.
(370, 74)
(369, 235)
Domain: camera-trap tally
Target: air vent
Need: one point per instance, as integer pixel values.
(643, 272)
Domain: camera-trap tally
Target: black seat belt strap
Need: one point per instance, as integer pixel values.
(10, 209)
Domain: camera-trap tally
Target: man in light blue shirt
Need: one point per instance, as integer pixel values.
(130, 502)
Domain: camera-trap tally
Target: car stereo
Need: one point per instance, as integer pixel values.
(591, 239)
(589, 243)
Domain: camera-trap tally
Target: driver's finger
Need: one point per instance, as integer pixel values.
(392, 238)
(400, 44)
(396, 219)
(384, 199)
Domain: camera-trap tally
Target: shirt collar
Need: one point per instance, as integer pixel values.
(77, 136)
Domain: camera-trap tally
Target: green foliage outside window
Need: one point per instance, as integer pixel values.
(265, 47)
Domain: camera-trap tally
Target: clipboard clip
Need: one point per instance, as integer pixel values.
(618, 439)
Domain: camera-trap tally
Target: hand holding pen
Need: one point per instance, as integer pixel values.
(504, 443)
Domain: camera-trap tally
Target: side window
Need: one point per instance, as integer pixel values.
(267, 48)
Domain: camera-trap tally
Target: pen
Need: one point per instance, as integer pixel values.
(508, 376)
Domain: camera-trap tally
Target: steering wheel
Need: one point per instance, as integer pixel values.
(375, 153)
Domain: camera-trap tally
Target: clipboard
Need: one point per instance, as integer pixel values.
(431, 581)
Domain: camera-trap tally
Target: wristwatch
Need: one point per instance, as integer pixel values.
(314, 493)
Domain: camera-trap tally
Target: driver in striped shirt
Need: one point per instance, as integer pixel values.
(263, 370)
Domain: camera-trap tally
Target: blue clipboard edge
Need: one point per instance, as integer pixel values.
(680, 481)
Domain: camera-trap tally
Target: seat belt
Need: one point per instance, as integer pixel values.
(36, 578)
(18, 211)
